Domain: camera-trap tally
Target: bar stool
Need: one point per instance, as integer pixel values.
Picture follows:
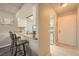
(17, 43)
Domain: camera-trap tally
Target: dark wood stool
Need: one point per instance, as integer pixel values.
(17, 43)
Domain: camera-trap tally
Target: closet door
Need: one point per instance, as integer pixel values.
(67, 29)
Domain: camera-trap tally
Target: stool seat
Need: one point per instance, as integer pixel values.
(20, 42)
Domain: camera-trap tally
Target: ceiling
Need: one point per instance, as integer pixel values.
(69, 7)
(14, 7)
(10, 7)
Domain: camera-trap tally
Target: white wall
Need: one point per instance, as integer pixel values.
(44, 13)
(4, 29)
(67, 28)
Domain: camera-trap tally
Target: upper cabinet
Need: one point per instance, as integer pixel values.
(25, 11)
(21, 22)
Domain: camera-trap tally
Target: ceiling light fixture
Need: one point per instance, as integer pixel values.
(63, 4)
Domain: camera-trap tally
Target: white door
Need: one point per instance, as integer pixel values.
(67, 29)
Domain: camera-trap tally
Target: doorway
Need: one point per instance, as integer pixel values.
(67, 29)
(52, 33)
(52, 30)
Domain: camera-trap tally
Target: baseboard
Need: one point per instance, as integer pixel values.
(4, 45)
(59, 43)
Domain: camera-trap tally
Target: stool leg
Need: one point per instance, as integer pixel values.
(20, 49)
(15, 51)
(24, 50)
(11, 50)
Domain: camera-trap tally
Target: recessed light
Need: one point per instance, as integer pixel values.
(63, 4)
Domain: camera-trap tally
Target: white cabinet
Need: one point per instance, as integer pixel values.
(21, 22)
(21, 15)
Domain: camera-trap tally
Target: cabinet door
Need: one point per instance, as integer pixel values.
(21, 22)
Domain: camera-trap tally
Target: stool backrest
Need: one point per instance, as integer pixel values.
(11, 35)
(13, 38)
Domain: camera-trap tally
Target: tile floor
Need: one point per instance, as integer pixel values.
(63, 50)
